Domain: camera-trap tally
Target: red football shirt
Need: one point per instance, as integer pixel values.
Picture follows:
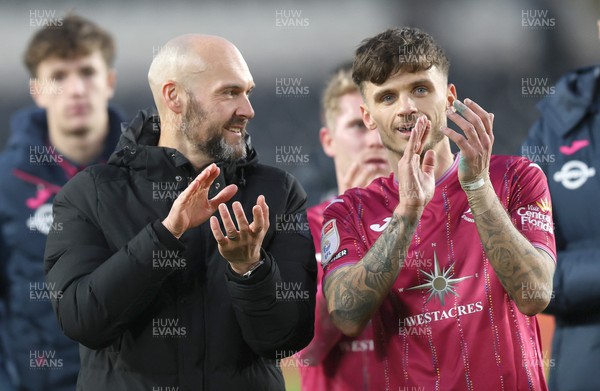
(448, 323)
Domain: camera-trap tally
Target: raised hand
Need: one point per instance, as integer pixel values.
(416, 180)
(241, 246)
(476, 145)
(360, 174)
(193, 207)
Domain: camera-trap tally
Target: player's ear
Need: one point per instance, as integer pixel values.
(170, 92)
(326, 137)
(367, 118)
(111, 82)
(451, 94)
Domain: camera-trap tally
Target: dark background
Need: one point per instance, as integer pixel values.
(490, 49)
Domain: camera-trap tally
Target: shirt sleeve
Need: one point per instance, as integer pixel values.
(341, 241)
(530, 206)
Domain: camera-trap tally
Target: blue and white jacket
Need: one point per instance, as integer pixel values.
(565, 143)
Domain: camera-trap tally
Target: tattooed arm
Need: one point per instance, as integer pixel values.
(525, 272)
(354, 293)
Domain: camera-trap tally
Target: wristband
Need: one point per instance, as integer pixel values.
(481, 200)
(478, 184)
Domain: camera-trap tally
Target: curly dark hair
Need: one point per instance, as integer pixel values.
(399, 49)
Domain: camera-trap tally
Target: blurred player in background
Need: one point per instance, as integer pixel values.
(334, 361)
(70, 62)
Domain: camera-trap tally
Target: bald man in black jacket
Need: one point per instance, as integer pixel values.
(172, 270)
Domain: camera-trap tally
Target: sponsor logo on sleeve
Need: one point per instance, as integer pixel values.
(330, 241)
(340, 254)
(544, 205)
(537, 216)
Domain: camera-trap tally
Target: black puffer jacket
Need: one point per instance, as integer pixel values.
(154, 313)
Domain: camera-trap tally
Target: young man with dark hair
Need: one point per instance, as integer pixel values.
(72, 81)
(333, 361)
(451, 256)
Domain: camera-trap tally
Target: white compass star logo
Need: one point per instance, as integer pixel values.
(439, 284)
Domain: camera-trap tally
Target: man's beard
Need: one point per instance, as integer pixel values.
(215, 146)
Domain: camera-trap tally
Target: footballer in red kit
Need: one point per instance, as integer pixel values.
(449, 259)
(448, 324)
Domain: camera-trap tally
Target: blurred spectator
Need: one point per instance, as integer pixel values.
(333, 361)
(564, 143)
(70, 61)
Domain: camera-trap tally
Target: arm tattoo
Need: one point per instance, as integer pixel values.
(523, 271)
(355, 292)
